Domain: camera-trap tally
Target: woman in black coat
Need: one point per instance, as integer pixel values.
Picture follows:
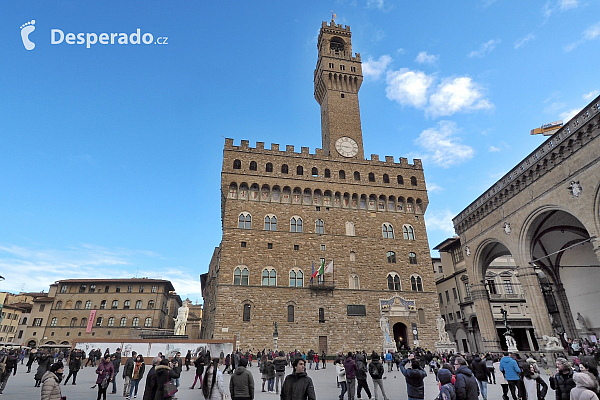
(164, 373)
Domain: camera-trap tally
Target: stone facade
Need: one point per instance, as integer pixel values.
(354, 213)
(544, 213)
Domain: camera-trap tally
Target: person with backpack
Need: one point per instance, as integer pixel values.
(376, 371)
(446, 387)
(361, 376)
(280, 362)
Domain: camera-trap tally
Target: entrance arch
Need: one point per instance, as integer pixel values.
(400, 335)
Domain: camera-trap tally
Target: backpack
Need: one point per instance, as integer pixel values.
(376, 372)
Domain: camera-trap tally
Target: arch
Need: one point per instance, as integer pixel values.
(400, 335)
(307, 196)
(314, 171)
(327, 198)
(381, 203)
(270, 222)
(69, 304)
(284, 169)
(241, 276)
(265, 193)
(371, 177)
(296, 224)
(363, 201)
(356, 176)
(243, 193)
(253, 166)
(400, 180)
(408, 232)
(419, 207)
(237, 164)
(391, 257)
(342, 174)
(413, 181)
(386, 178)
(290, 313)
(269, 167)
(254, 189)
(393, 281)
(350, 229)
(276, 194)
(387, 230)
(412, 258)
(296, 278)
(319, 227)
(391, 203)
(299, 170)
(269, 277)
(353, 281)
(245, 220)
(286, 195)
(83, 322)
(317, 197)
(416, 283)
(327, 173)
(400, 204)
(233, 191)
(410, 205)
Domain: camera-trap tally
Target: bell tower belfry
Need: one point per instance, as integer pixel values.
(338, 76)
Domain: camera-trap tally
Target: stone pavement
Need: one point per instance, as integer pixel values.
(20, 386)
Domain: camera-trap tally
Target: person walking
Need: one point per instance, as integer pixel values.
(164, 373)
(340, 372)
(188, 360)
(241, 384)
(376, 371)
(270, 369)
(447, 391)
(466, 384)
(324, 359)
(389, 359)
(116, 362)
(350, 367)
(479, 369)
(585, 388)
(213, 388)
(280, 362)
(298, 385)
(51, 382)
(44, 362)
(10, 366)
(74, 367)
(489, 363)
(499, 378)
(199, 364)
(361, 376)
(512, 373)
(414, 376)
(137, 373)
(105, 372)
(31, 359)
(228, 364)
(177, 367)
(534, 386)
(128, 373)
(562, 382)
(150, 387)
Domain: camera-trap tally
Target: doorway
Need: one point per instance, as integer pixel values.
(400, 335)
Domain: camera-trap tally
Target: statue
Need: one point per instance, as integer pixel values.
(511, 343)
(276, 331)
(552, 343)
(181, 320)
(582, 323)
(384, 324)
(441, 328)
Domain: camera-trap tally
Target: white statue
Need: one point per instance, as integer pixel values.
(511, 343)
(582, 323)
(384, 324)
(181, 320)
(441, 328)
(552, 343)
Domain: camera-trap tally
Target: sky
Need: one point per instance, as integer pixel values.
(111, 153)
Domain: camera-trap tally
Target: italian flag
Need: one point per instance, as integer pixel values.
(319, 271)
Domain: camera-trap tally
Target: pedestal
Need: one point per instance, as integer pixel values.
(511, 343)
(445, 347)
(389, 346)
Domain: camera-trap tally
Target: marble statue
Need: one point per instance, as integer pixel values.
(441, 328)
(181, 320)
(582, 323)
(511, 343)
(384, 324)
(552, 343)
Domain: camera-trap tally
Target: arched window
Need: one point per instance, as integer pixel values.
(269, 277)
(135, 322)
(270, 223)
(299, 170)
(123, 321)
(354, 282)
(412, 258)
(296, 279)
(314, 171)
(83, 322)
(371, 177)
(58, 305)
(111, 321)
(391, 257)
(296, 224)
(148, 322)
(393, 281)
(103, 304)
(386, 178)
(115, 304)
(245, 221)
(290, 313)
(88, 305)
(356, 176)
(151, 305)
(352, 256)
(269, 167)
(240, 276)
(327, 173)
(319, 226)
(387, 230)
(284, 169)
(99, 321)
(342, 174)
(53, 321)
(413, 181)
(416, 283)
(408, 232)
(237, 164)
(138, 305)
(126, 304)
(400, 180)
(253, 166)
(350, 230)
(321, 315)
(246, 316)
(73, 322)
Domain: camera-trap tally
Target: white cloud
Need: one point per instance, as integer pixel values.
(425, 58)
(408, 87)
(434, 188)
(590, 95)
(457, 94)
(591, 33)
(374, 69)
(442, 146)
(520, 42)
(494, 149)
(560, 5)
(484, 49)
(567, 4)
(440, 220)
(567, 115)
(379, 4)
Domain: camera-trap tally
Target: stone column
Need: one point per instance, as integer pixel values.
(485, 319)
(565, 309)
(535, 301)
(528, 334)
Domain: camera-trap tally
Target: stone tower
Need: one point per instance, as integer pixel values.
(338, 77)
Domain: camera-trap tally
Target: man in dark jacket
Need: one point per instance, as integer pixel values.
(350, 367)
(150, 389)
(74, 367)
(361, 375)
(562, 382)
(128, 373)
(11, 361)
(479, 368)
(241, 384)
(465, 384)
(177, 367)
(280, 362)
(446, 387)
(116, 360)
(376, 371)
(414, 378)
(164, 373)
(297, 385)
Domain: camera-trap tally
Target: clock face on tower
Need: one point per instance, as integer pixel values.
(346, 146)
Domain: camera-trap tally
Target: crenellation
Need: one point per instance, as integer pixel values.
(304, 151)
(374, 157)
(319, 152)
(274, 146)
(403, 161)
(228, 143)
(245, 145)
(289, 148)
(417, 163)
(260, 145)
(389, 159)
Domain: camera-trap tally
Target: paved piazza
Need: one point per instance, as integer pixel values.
(20, 386)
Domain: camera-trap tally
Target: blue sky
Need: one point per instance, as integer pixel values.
(111, 155)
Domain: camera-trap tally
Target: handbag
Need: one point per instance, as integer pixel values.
(104, 383)
(169, 389)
